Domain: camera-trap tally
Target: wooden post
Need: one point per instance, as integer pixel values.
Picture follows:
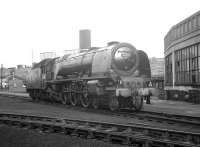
(1, 76)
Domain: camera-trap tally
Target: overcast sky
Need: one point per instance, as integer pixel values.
(53, 25)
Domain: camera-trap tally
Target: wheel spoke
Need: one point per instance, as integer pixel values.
(73, 99)
(64, 98)
(85, 102)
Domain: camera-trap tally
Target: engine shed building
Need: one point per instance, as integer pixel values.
(182, 60)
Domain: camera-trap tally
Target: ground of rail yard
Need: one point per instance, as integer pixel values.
(165, 106)
(23, 105)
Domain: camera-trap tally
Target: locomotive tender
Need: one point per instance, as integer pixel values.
(110, 77)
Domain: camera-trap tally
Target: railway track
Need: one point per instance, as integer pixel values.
(162, 120)
(132, 135)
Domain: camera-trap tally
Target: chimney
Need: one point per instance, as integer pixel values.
(84, 39)
(47, 55)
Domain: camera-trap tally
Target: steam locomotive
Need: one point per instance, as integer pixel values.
(109, 77)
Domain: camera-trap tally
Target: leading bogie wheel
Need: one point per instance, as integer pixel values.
(137, 102)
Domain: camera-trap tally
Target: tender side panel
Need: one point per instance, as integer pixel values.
(34, 79)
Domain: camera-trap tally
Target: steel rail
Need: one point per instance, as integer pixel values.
(148, 116)
(133, 135)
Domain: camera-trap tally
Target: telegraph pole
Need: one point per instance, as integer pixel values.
(1, 76)
(32, 57)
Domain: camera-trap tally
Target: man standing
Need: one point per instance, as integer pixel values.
(148, 96)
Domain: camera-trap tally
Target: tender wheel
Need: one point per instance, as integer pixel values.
(50, 95)
(65, 99)
(95, 102)
(113, 103)
(73, 99)
(137, 103)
